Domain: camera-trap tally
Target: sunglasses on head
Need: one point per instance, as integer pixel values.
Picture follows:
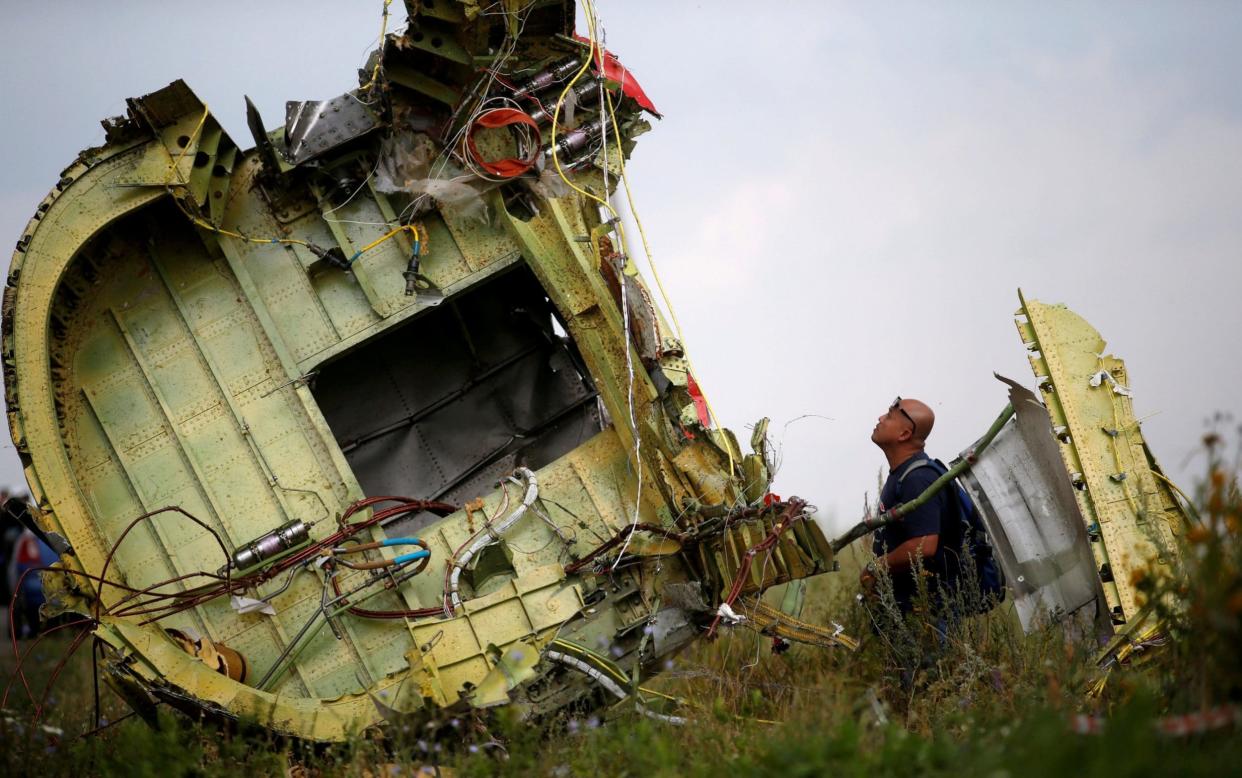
(896, 406)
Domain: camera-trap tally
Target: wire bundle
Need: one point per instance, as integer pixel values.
(526, 134)
(793, 512)
(158, 605)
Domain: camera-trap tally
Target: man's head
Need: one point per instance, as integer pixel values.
(904, 426)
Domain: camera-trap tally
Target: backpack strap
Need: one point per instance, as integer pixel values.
(968, 521)
(947, 530)
(915, 465)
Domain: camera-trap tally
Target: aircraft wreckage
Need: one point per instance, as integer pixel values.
(377, 420)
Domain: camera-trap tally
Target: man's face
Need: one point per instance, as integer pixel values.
(893, 426)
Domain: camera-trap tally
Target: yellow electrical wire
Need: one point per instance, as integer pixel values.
(590, 15)
(629, 197)
(556, 120)
(198, 220)
(422, 239)
(1189, 503)
(1171, 485)
(202, 120)
(379, 55)
(616, 220)
(391, 234)
(1097, 687)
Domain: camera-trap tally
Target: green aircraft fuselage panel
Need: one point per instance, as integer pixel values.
(364, 306)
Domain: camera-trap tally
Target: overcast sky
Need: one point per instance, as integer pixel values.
(842, 198)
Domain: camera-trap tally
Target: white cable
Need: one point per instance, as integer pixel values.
(482, 540)
(678, 721)
(603, 37)
(625, 312)
(583, 667)
(728, 615)
(446, 153)
(611, 686)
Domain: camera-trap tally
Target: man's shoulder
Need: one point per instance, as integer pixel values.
(920, 465)
(917, 474)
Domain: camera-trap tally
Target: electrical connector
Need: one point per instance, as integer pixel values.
(333, 256)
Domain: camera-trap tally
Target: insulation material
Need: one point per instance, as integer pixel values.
(411, 164)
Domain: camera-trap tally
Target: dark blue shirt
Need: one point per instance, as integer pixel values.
(928, 519)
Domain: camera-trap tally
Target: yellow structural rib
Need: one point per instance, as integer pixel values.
(1132, 516)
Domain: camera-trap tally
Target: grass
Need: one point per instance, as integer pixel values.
(991, 702)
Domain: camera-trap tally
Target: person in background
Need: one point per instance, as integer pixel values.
(901, 433)
(10, 530)
(27, 554)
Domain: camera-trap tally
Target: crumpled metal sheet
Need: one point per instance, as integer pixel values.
(515, 666)
(672, 628)
(1027, 502)
(313, 127)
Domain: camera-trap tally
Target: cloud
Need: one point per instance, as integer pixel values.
(842, 200)
(869, 240)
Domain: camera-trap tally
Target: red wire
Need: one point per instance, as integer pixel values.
(60, 666)
(611, 543)
(103, 574)
(18, 672)
(793, 509)
(509, 167)
(407, 505)
(191, 598)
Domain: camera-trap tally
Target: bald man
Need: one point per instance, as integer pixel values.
(901, 433)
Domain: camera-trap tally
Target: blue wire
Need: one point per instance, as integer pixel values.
(402, 542)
